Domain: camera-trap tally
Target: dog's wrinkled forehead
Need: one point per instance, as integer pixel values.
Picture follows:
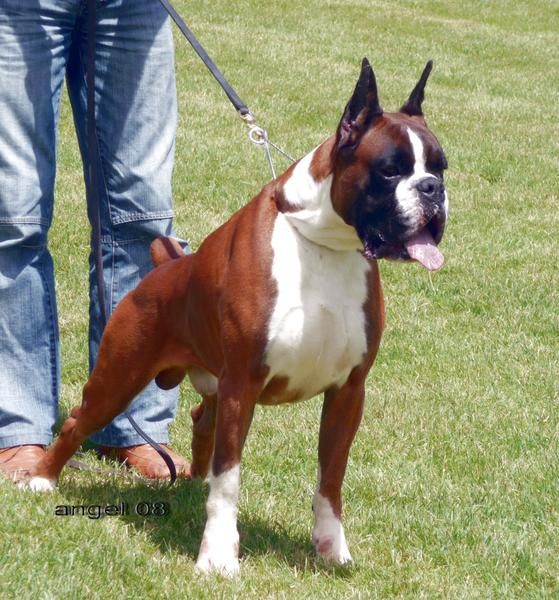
(401, 144)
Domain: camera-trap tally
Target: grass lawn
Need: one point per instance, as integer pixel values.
(452, 489)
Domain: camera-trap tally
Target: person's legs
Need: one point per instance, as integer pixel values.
(34, 37)
(136, 122)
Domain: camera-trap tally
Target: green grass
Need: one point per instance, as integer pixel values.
(452, 489)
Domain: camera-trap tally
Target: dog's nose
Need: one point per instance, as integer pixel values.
(431, 187)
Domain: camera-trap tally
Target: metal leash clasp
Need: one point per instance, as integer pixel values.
(259, 136)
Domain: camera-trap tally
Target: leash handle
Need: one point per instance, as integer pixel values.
(234, 98)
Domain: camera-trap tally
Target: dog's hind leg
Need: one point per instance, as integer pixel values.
(45, 474)
(129, 358)
(203, 435)
(203, 420)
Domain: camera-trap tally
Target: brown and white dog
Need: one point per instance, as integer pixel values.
(281, 303)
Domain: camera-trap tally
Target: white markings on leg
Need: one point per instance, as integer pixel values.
(38, 484)
(219, 550)
(328, 533)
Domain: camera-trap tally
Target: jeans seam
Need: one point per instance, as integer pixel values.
(109, 220)
(114, 282)
(100, 157)
(149, 216)
(24, 221)
(121, 243)
(23, 439)
(52, 336)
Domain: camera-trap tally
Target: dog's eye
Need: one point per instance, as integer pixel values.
(440, 172)
(389, 171)
(440, 165)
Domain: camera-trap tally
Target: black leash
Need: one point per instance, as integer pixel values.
(239, 105)
(94, 204)
(256, 134)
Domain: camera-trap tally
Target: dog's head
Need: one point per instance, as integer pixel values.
(388, 175)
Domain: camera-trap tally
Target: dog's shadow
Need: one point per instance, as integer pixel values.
(174, 517)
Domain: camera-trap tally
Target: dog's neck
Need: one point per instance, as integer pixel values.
(308, 205)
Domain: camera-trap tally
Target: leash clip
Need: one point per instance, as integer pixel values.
(259, 136)
(248, 119)
(256, 134)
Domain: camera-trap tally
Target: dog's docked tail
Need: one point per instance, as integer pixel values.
(165, 248)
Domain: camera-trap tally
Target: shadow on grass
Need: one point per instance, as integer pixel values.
(181, 526)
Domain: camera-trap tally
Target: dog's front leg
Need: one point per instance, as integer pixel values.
(219, 550)
(341, 415)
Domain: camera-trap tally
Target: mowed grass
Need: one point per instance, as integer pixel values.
(452, 488)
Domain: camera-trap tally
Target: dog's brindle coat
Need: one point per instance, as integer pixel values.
(282, 302)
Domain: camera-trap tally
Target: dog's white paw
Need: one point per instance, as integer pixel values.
(328, 534)
(333, 549)
(221, 560)
(219, 550)
(38, 484)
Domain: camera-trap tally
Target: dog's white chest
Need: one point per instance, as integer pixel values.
(317, 332)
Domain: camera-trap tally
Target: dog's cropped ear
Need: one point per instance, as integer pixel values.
(412, 106)
(360, 110)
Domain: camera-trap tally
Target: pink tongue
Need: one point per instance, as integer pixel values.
(421, 247)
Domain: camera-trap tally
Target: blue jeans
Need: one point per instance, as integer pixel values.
(42, 42)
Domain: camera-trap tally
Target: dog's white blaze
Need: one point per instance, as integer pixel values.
(220, 544)
(328, 533)
(316, 219)
(407, 195)
(418, 153)
(316, 334)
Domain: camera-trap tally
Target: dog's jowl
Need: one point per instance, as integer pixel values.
(281, 303)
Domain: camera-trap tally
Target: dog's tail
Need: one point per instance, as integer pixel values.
(165, 248)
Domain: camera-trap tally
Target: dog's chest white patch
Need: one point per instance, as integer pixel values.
(316, 334)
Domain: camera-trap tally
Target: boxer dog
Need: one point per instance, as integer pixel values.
(281, 303)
